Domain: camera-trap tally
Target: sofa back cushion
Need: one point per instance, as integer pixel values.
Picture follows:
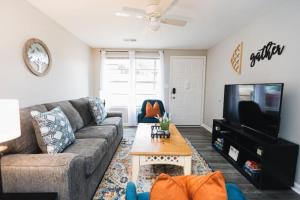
(82, 106)
(72, 114)
(27, 143)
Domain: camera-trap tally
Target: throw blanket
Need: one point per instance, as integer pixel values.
(206, 187)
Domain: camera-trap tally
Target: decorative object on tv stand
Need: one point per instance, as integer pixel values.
(266, 52)
(236, 58)
(37, 57)
(10, 123)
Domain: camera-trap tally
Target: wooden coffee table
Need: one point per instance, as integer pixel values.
(148, 151)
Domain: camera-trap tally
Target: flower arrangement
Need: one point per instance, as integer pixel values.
(164, 121)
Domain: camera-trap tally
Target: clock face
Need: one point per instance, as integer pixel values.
(37, 57)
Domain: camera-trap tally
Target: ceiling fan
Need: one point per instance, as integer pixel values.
(153, 14)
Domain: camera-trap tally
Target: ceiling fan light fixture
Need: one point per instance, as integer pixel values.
(154, 25)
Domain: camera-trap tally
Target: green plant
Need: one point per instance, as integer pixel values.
(164, 121)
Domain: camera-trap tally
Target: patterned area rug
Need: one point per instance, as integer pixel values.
(112, 186)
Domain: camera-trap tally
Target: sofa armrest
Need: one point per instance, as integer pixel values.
(114, 114)
(234, 192)
(62, 173)
(131, 191)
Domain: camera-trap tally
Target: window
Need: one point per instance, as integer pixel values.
(147, 83)
(128, 78)
(117, 86)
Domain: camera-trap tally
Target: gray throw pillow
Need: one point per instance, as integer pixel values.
(53, 130)
(98, 109)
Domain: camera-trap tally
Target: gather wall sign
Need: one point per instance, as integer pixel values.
(268, 51)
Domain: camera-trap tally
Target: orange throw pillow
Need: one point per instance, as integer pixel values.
(152, 111)
(207, 187)
(167, 188)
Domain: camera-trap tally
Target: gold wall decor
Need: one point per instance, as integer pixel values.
(236, 58)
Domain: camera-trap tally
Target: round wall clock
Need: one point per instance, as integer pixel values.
(37, 57)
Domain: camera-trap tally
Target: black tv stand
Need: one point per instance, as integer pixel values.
(278, 158)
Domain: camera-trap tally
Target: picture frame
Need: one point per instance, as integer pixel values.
(37, 57)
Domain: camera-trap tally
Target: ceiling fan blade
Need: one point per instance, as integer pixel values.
(164, 5)
(134, 10)
(174, 22)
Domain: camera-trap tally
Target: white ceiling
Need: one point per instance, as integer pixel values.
(209, 21)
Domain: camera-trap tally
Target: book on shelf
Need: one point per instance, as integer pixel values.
(219, 143)
(252, 168)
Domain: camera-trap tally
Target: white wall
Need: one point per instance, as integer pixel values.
(280, 26)
(69, 76)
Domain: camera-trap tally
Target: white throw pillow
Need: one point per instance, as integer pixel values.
(98, 109)
(53, 130)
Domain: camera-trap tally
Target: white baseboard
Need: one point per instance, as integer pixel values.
(296, 187)
(209, 129)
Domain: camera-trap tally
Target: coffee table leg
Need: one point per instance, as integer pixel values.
(187, 165)
(135, 168)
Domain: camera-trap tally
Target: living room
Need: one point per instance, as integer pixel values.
(105, 69)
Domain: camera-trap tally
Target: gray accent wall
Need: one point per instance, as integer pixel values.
(280, 26)
(70, 74)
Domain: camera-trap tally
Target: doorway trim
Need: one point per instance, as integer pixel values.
(203, 81)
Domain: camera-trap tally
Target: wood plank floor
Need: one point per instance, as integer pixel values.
(201, 139)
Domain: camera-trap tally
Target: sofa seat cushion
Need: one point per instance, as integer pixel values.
(92, 150)
(83, 107)
(71, 113)
(106, 132)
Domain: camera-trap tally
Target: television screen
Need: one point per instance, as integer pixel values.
(255, 106)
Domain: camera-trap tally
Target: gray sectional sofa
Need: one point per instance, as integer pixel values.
(73, 174)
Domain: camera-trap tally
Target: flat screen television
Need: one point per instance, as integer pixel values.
(254, 106)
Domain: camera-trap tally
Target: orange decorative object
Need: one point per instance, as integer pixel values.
(208, 187)
(152, 111)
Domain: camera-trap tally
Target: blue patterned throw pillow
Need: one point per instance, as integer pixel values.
(53, 130)
(98, 109)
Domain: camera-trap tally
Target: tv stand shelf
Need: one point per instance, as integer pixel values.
(278, 158)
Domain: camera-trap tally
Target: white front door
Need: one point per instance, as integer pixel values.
(187, 79)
